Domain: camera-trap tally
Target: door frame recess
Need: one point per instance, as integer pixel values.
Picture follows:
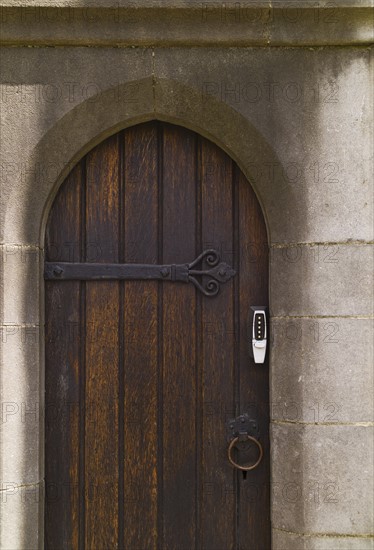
(221, 124)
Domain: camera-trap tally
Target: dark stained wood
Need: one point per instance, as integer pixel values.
(102, 351)
(140, 311)
(153, 370)
(218, 368)
(62, 376)
(254, 510)
(179, 346)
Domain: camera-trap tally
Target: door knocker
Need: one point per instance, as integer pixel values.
(241, 429)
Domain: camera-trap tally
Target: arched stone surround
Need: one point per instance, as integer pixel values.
(315, 301)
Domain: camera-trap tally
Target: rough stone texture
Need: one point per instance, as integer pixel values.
(19, 284)
(309, 106)
(194, 23)
(331, 379)
(22, 409)
(337, 282)
(43, 86)
(297, 121)
(172, 4)
(322, 478)
(20, 517)
(288, 541)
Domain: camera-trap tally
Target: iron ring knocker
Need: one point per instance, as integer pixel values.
(250, 467)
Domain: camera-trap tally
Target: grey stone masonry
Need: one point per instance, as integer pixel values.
(177, 22)
(286, 89)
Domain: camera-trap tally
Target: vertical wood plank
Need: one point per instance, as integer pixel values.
(179, 303)
(218, 378)
(140, 339)
(62, 371)
(102, 352)
(254, 513)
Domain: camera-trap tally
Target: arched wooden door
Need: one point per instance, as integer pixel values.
(143, 375)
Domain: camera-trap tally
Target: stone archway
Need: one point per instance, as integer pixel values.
(61, 147)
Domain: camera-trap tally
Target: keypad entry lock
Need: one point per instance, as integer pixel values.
(258, 333)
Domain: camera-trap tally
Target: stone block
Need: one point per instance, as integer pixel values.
(57, 105)
(321, 280)
(322, 370)
(20, 267)
(176, 22)
(322, 479)
(20, 517)
(310, 107)
(295, 120)
(290, 541)
(21, 406)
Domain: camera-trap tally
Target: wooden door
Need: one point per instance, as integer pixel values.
(142, 376)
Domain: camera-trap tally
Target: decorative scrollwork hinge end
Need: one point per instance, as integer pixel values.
(218, 272)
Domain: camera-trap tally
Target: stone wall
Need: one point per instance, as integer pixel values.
(286, 90)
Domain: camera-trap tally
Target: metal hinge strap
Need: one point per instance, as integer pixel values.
(216, 272)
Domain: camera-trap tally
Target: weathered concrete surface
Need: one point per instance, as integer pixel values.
(173, 23)
(310, 106)
(289, 541)
(172, 4)
(331, 380)
(20, 513)
(22, 406)
(19, 285)
(297, 121)
(322, 478)
(336, 281)
(41, 87)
